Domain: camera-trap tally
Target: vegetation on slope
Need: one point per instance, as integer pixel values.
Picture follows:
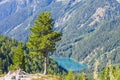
(109, 73)
(10, 58)
(80, 40)
(85, 42)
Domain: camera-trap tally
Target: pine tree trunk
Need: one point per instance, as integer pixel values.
(45, 65)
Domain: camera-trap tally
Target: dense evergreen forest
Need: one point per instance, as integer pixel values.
(11, 50)
(14, 53)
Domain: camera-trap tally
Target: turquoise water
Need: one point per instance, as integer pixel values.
(70, 64)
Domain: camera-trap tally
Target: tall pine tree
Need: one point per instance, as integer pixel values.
(43, 38)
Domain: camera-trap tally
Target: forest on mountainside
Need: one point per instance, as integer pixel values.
(8, 47)
(88, 29)
(9, 57)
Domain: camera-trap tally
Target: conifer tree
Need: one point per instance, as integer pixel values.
(70, 76)
(43, 38)
(82, 77)
(18, 58)
(1, 66)
(110, 73)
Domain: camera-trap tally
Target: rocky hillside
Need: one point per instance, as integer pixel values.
(90, 27)
(91, 32)
(17, 16)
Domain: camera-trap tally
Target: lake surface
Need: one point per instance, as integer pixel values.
(70, 64)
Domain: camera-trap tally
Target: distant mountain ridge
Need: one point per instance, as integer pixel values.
(18, 15)
(90, 27)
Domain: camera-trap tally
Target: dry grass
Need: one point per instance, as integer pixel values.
(48, 77)
(1, 75)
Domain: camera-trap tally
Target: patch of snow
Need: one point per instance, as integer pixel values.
(20, 1)
(17, 9)
(81, 26)
(68, 1)
(118, 1)
(63, 1)
(67, 17)
(15, 28)
(27, 27)
(7, 31)
(63, 19)
(34, 8)
(4, 1)
(75, 2)
(38, 1)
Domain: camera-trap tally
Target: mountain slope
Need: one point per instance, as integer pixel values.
(94, 34)
(17, 16)
(90, 31)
